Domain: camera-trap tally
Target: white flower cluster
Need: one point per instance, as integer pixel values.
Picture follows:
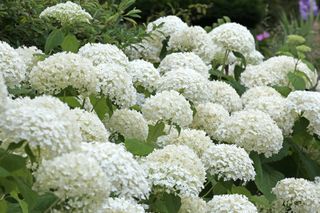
(3, 95)
(29, 56)
(258, 92)
(228, 162)
(66, 13)
(129, 123)
(191, 84)
(252, 130)
(62, 70)
(120, 205)
(274, 72)
(279, 110)
(45, 123)
(83, 186)
(92, 129)
(208, 117)
(233, 203)
(143, 74)
(307, 104)
(194, 139)
(224, 94)
(192, 205)
(187, 60)
(116, 84)
(168, 106)
(126, 175)
(12, 66)
(298, 195)
(103, 54)
(176, 169)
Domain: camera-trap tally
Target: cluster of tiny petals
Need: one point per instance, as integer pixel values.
(188, 60)
(103, 54)
(279, 110)
(128, 178)
(116, 84)
(66, 13)
(193, 39)
(168, 106)
(81, 185)
(274, 72)
(3, 94)
(209, 116)
(143, 74)
(197, 140)
(120, 205)
(258, 92)
(29, 56)
(307, 104)
(44, 122)
(171, 134)
(234, 37)
(92, 129)
(224, 94)
(254, 57)
(298, 194)
(176, 169)
(228, 162)
(12, 66)
(233, 203)
(252, 130)
(62, 70)
(129, 123)
(192, 205)
(191, 84)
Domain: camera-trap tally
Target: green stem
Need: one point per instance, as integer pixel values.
(225, 58)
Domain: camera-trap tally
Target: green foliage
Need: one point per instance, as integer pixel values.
(165, 203)
(138, 148)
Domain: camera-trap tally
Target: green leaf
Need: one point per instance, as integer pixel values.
(70, 43)
(28, 195)
(260, 201)
(164, 50)
(284, 151)
(300, 133)
(22, 203)
(236, 85)
(165, 203)
(266, 177)
(100, 106)
(71, 101)
(4, 172)
(297, 81)
(138, 147)
(3, 206)
(54, 39)
(237, 72)
(241, 57)
(240, 190)
(11, 162)
(44, 203)
(283, 90)
(155, 132)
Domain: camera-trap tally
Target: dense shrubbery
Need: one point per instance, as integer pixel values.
(107, 116)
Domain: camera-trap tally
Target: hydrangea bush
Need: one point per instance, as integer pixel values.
(185, 121)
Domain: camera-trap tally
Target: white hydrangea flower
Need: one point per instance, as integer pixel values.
(175, 169)
(233, 37)
(279, 110)
(165, 26)
(63, 70)
(254, 57)
(307, 104)
(148, 49)
(224, 94)
(168, 106)
(44, 122)
(12, 66)
(92, 129)
(192, 205)
(258, 92)
(194, 139)
(252, 130)
(116, 83)
(127, 176)
(143, 74)
(192, 85)
(318, 86)
(187, 60)
(171, 134)
(228, 162)
(193, 39)
(298, 195)
(208, 117)
(129, 123)
(3, 94)
(104, 54)
(29, 56)
(66, 13)
(233, 203)
(81, 185)
(274, 72)
(120, 205)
